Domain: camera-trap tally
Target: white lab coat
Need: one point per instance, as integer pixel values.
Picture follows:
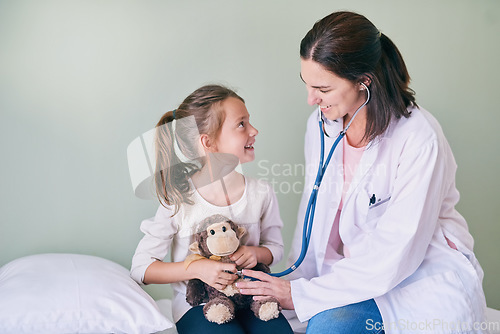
(398, 252)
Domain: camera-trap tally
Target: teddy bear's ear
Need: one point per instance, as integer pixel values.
(194, 248)
(241, 232)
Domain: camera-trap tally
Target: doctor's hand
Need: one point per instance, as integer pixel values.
(267, 286)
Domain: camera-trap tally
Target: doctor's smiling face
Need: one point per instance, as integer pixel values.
(335, 96)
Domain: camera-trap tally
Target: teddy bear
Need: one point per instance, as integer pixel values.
(217, 238)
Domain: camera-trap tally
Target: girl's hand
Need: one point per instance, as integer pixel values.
(267, 286)
(214, 273)
(245, 257)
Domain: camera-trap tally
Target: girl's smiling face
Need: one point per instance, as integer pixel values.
(337, 97)
(237, 135)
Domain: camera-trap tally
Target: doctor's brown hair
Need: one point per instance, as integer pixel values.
(171, 173)
(350, 46)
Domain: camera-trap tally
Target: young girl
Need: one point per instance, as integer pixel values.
(212, 128)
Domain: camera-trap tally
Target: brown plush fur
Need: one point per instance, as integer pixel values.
(219, 307)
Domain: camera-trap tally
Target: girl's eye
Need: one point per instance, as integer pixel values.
(324, 91)
(242, 124)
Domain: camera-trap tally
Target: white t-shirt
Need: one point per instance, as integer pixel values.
(257, 211)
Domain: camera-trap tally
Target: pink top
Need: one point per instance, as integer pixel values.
(335, 249)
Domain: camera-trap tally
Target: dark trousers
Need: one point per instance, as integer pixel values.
(245, 322)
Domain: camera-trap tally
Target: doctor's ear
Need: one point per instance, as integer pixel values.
(364, 82)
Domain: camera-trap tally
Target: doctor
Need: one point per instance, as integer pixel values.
(388, 251)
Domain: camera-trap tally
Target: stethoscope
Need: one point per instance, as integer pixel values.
(311, 205)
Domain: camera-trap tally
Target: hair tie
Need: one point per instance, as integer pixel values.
(173, 113)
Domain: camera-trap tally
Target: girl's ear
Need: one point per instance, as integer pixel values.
(207, 143)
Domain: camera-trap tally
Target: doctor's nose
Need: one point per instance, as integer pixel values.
(312, 97)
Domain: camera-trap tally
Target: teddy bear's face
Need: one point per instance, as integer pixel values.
(222, 239)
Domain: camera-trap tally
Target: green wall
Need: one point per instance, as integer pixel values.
(79, 80)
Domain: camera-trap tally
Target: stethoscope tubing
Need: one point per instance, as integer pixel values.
(311, 205)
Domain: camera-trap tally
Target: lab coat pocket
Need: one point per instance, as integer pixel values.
(375, 211)
(434, 304)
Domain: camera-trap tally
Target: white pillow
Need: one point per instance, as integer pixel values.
(70, 293)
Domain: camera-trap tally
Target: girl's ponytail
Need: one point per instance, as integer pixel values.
(171, 176)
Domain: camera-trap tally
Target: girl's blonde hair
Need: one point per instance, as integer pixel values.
(171, 175)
